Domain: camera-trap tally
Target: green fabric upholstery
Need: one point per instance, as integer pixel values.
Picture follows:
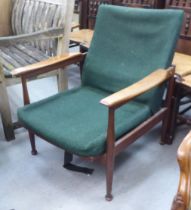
(77, 122)
(128, 44)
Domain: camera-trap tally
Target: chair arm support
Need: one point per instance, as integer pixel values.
(39, 35)
(50, 64)
(152, 80)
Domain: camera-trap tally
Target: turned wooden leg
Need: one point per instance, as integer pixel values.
(6, 113)
(32, 141)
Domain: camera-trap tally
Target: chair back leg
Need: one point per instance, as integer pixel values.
(175, 109)
(166, 124)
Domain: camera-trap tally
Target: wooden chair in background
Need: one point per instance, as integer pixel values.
(182, 92)
(40, 29)
(182, 200)
(89, 8)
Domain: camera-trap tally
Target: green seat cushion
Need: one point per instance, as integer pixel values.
(128, 44)
(77, 122)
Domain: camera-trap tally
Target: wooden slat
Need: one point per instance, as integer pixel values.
(10, 60)
(18, 56)
(56, 21)
(26, 16)
(33, 52)
(27, 58)
(35, 17)
(51, 45)
(28, 28)
(7, 67)
(44, 17)
(39, 15)
(14, 56)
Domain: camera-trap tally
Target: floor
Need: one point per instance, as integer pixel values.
(146, 174)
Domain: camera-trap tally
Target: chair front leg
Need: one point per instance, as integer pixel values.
(110, 159)
(26, 100)
(32, 141)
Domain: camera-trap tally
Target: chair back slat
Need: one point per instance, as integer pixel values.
(33, 15)
(26, 16)
(17, 17)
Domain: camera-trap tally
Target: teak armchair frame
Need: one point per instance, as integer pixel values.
(113, 102)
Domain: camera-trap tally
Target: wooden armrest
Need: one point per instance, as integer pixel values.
(123, 96)
(50, 64)
(39, 35)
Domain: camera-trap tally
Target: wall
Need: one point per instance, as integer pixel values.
(5, 10)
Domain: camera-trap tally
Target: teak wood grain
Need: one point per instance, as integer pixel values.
(123, 96)
(49, 64)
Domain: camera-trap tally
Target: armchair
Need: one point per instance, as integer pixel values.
(40, 29)
(122, 91)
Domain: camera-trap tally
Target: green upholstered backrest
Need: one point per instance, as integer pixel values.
(128, 44)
